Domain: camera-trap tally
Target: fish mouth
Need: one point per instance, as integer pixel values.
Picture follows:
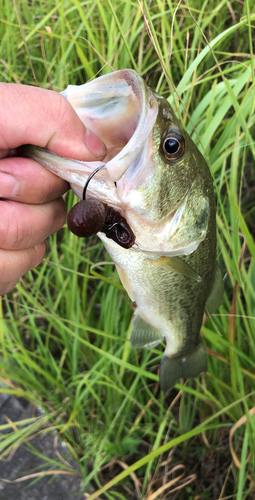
(121, 110)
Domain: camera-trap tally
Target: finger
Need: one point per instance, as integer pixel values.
(23, 226)
(26, 181)
(45, 118)
(7, 287)
(13, 264)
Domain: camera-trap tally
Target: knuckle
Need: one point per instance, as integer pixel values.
(61, 109)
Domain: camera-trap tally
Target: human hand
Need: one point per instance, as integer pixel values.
(30, 196)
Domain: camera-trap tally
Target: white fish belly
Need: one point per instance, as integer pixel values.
(159, 294)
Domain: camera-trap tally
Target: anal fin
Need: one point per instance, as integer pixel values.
(188, 366)
(143, 334)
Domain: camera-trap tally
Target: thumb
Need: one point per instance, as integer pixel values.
(31, 115)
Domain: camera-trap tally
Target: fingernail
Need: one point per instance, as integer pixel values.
(95, 145)
(8, 186)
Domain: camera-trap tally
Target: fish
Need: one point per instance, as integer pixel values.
(158, 183)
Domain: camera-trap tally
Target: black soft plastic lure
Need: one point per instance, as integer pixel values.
(90, 216)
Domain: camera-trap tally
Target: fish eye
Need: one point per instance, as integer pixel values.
(173, 146)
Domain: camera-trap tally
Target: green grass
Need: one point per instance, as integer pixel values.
(64, 329)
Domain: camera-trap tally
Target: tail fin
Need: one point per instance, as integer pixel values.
(189, 366)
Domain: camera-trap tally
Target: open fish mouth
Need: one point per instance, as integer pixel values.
(121, 110)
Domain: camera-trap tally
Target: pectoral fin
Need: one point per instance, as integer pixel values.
(190, 366)
(215, 298)
(143, 334)
(177, 265)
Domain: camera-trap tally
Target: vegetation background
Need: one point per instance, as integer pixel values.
(64, 329)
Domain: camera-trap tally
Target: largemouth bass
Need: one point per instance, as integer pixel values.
(160, 185)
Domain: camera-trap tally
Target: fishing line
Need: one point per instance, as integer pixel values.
(89, 179)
